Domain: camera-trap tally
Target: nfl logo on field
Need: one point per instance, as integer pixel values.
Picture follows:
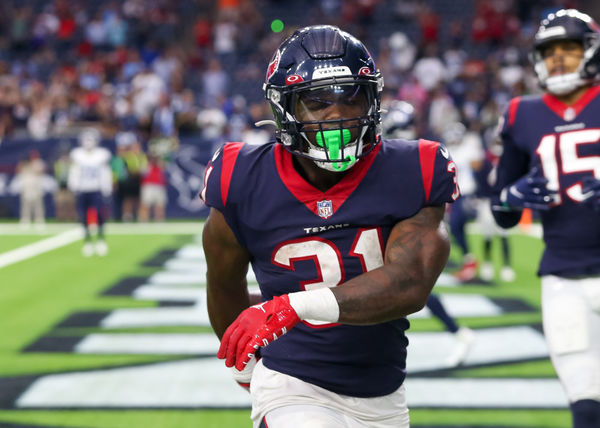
(325, 209)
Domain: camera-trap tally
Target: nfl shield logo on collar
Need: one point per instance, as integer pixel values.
(325, 209)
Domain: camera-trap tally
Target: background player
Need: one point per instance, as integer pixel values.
(466, 149)
(314, 213)
(399, 123)
(484, 174)
(551, 163)
(90, 179)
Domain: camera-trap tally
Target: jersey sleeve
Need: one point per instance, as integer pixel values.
(73, 179)
(218, 177)
(512, 165)
(438, 172)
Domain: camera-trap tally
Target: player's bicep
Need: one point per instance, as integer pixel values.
(227, 261)
(227, 266)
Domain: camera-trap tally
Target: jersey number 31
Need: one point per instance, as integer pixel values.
(367, 246)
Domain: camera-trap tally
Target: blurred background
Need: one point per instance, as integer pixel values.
(123, 340)
(174, 79)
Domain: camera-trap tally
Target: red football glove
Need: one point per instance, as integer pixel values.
(256, 326)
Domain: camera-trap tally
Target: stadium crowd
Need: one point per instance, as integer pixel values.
(170, 67)
(155, 71)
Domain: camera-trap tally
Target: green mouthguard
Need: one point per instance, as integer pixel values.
(331, 141)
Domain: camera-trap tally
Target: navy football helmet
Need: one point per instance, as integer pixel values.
(568, 24)
(314, 68)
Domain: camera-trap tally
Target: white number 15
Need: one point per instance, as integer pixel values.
(571, 162)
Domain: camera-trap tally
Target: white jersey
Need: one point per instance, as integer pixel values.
(469, 150)
(90, 170)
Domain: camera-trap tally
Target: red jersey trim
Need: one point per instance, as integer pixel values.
(427, 151)
(307, 193)
(559, 107)
(230, 154)
(512, 110)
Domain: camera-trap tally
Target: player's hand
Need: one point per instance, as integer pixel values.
(256, 326)
(591, 192)
(529, 191)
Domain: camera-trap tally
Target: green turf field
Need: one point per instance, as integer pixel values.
(38, 293)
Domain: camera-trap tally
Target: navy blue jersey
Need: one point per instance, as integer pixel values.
(564, 142)
(300, 238)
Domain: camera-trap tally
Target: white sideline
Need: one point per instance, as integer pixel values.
(40, 247)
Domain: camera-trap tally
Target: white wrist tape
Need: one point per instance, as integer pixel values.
(319, 305)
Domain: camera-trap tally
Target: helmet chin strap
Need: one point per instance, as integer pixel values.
(331, 141)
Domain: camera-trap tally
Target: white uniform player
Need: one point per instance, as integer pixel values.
(466, 150)
(90, 180)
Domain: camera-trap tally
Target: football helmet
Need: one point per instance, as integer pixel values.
(568, 24)
(453, 134)
(89, 138)
(399, 121)
(316, 67)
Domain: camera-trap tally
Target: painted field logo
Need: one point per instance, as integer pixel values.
(325, 209)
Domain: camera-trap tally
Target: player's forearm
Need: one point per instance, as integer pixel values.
(398, 288)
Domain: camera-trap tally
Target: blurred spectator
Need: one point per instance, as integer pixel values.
(31, 172)
(39, 120)
(167, 64)
(186, 111)
(214, 84)
(429, 70)
(430, 24)
(147, 89)
(225, 36)
(163, 119)
(118, 165)
(442, 112)
(153, 190)
(136, 163)
(212, 122)
(402, 52)
(64, 200)
(203, 31)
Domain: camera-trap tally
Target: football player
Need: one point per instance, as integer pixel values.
(551, 163)
(399, 123)
(344, 232)
(467, 151)
(90, 179)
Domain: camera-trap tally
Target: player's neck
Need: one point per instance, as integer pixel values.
(572, 97)
(316, 176)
